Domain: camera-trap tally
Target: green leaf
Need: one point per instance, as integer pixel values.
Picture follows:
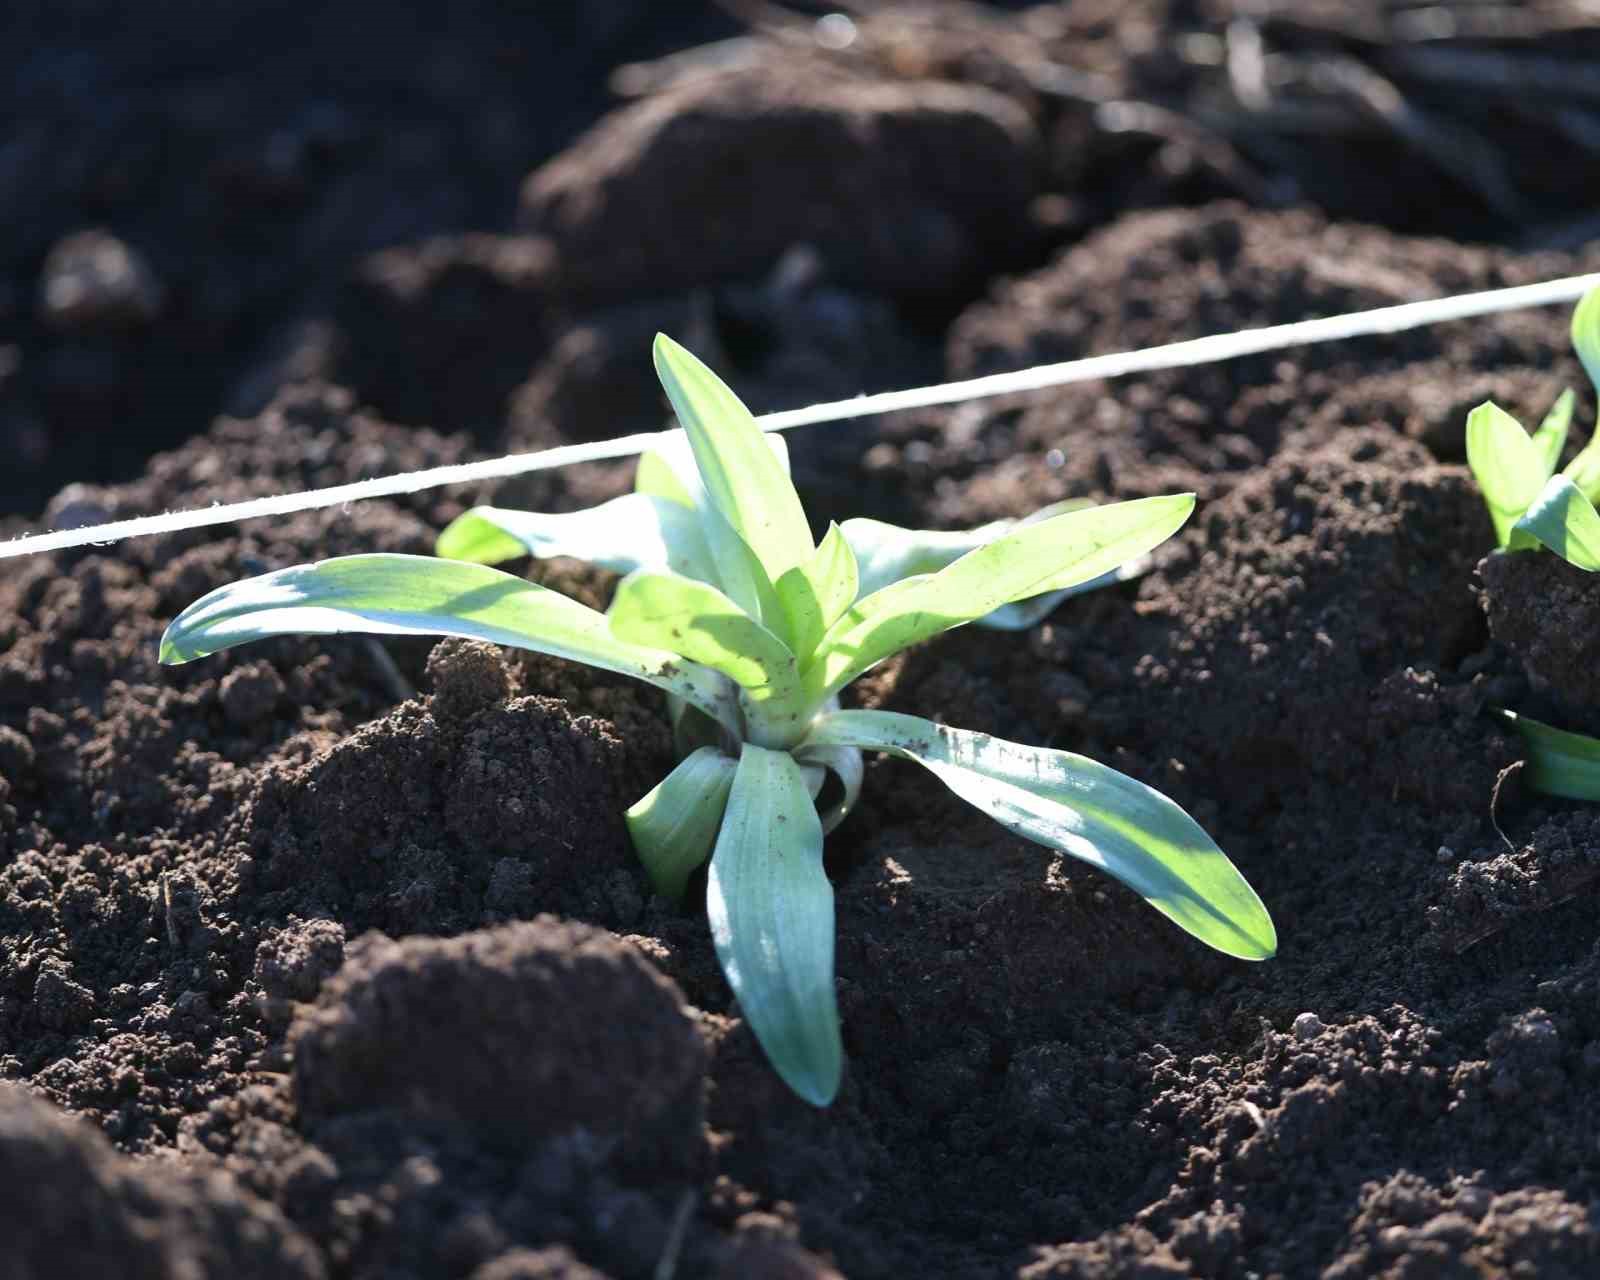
(814, 594)
(1051, 555)
(743, 480)
(634, 531)
(1551, 437)
(658, 477)
(669, 471)
(696, 620)
(675, 826)
(834, 574)
(771, 911)
(889, 553)
(1559, 763)
(846, 764)
(1509, 468)
(1562, 519)
(421, 596)
(1584, 469)
(1084, 809)
(478, 537)
(1586, 334)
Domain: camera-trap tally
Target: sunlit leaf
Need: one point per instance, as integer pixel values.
(659, 476)
(420, 596)
(1051, 555)
(1551, 437)
(1566, 522)
(674, 827)
(634, 531)
(889, 553)
(1586, 334)
(696, 620)
(814, 594)
(743, 480)
(1084, 809)
(771, 911)
(1509, 467)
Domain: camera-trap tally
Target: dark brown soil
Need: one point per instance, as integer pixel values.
(341, 947)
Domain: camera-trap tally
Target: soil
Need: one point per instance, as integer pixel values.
(330, 957)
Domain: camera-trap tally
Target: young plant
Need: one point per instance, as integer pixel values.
(1530, 505)
(752, 630)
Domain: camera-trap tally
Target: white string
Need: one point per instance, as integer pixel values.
(1172, 355)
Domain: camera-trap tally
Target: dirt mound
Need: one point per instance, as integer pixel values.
(901, 188)
(184, 194)
(1543, 610)
(74, 1207)
(1165, 276)
(522, 1034)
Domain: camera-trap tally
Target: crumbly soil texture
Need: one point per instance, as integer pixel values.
(330, 958)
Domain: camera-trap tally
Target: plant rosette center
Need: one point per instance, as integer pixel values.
(752, 628)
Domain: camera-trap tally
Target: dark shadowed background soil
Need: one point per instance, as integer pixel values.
(330, 958)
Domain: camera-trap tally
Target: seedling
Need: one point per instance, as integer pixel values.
(1530, 505)
(752, 630)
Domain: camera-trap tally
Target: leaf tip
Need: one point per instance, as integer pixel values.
(1261, 938)
(819, 1086)
(169, 654)
(666, 351)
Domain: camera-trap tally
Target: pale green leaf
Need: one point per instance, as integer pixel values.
(658, 477)
(743, 480)
(669, 471)
(1551, 437)
(1586, 334)
(478, 537)
(1050, 555)
(771, 912)
(813, 595)
(1509, 467)
(1562, 519)
(731, 564)
(1584, 469)
(1559, 763)
(739, 574)
(697, 621)
(634, 531)
(888, 553)
(1084, 809)
(802, 611)
(675, 826)
(846, 765)
(420, 596)
(834, 574)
